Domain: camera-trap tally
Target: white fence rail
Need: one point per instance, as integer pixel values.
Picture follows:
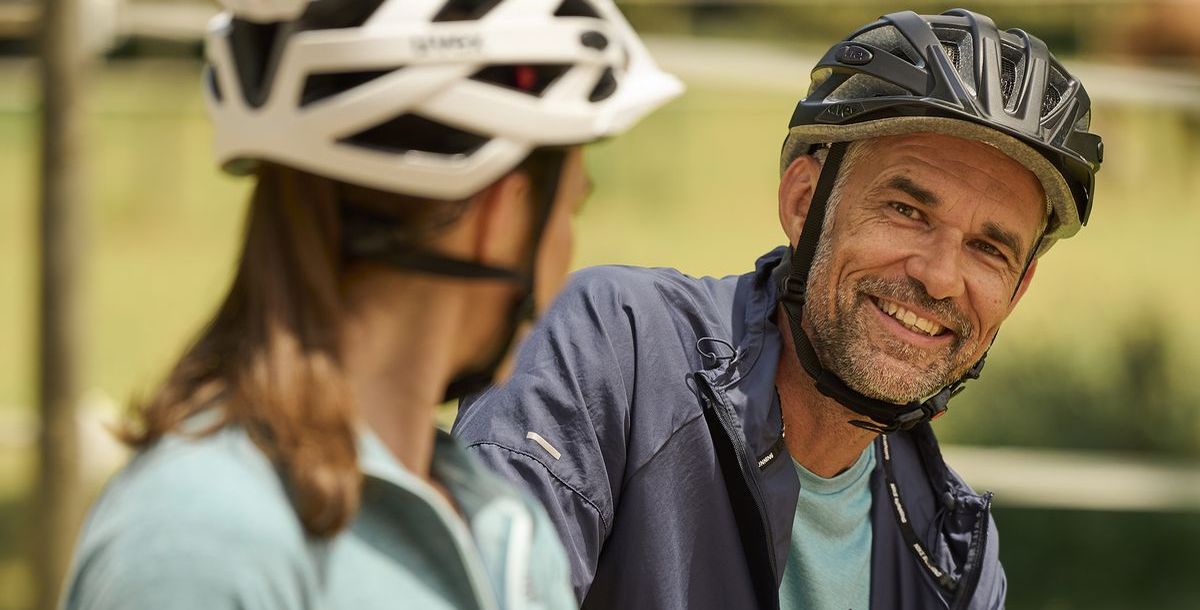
(1078, 480)
(1020, 477)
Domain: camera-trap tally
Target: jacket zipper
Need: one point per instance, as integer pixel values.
(970, 579)
(747, 464)
(460, 536)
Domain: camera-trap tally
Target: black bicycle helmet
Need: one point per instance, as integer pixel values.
(954, 74)
(957, 74)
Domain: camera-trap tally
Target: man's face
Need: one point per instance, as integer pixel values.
(919, 267)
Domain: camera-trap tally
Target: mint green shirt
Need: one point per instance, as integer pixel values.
(204, 523)
(829, 564)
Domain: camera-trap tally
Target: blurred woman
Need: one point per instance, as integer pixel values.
(417, 163)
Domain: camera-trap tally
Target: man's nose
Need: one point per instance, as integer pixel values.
(938, 265)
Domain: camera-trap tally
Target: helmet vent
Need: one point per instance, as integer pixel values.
(254, 50)
(1050, 100)
(327, 15)
(1008, 79)
(1085, 122)
(576, 8)
(210, 78)
(891, 40)
(320, 86)
(1012, 76)
(1056, 88)
(861, 86)
(413, 133)
(951, 50)
(960, 50)
(531, 79)
(605, 87)
(465, 10)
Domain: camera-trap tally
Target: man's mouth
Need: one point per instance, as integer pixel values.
(909, 319)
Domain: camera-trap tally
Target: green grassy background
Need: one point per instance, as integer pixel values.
(1103, 352)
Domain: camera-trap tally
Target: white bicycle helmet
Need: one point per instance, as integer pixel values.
(430, 98)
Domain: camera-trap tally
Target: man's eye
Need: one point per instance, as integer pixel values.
(906, 210)
(990, 250)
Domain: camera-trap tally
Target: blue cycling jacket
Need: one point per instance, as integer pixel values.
(643, 415)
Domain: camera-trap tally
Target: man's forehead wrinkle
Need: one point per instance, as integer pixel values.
(903, 183)
(944, 179)
(980, 166)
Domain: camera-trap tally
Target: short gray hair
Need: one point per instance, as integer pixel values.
(856, 151)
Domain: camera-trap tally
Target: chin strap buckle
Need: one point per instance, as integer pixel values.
(792, 290)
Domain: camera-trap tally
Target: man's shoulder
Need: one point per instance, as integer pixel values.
(635, 287)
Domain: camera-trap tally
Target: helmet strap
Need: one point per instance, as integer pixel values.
(881, 416)
(523, 308)
(550, 163)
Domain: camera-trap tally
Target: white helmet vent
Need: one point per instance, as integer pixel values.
(214, 86)
(605, 87)
(576, 8)
(327, 15)
(465, 10)
(255, 48)
(414, 133)
(528, 79)
(323, 85)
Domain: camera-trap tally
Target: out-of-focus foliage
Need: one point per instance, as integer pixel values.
(1135, 399)
(1081, 560)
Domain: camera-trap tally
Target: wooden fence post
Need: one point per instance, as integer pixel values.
(59, 497)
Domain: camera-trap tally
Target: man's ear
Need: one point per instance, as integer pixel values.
(502, 221)
(1024, 285)
(796, 188)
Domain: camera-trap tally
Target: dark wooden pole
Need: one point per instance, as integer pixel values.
(59, 497)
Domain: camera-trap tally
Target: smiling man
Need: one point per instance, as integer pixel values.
(764, 440)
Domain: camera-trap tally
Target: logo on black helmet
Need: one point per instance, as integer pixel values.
(840, 112)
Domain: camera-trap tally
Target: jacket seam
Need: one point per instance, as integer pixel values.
(560, 480)
(657, 452)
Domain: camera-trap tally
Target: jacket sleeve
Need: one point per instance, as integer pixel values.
(558, 428)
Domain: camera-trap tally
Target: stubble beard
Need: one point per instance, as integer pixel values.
(873, 362)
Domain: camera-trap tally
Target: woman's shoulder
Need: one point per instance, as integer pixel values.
(222, 473)
(191, 514)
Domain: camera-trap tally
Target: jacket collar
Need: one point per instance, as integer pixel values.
(754, 335)
(472, 487)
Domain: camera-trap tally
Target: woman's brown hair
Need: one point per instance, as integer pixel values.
(269, 361)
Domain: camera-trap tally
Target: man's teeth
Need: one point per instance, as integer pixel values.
(909, 319)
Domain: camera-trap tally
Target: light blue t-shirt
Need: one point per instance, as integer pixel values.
(829, 564)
